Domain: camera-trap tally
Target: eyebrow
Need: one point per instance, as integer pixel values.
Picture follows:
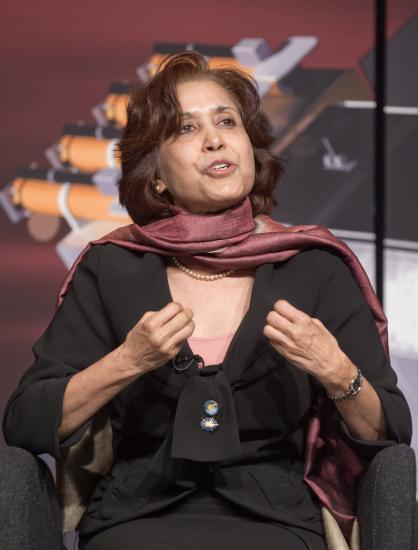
(219, 109)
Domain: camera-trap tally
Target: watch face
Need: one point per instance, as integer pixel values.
(357, 383)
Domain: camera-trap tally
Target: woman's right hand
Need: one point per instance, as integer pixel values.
(157, 337)
(153, 341)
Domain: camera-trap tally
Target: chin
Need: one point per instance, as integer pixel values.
(228, 205)
(220, 202)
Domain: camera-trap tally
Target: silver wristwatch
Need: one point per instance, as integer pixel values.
(353, 389)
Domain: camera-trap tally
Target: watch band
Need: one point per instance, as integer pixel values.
(353, 389)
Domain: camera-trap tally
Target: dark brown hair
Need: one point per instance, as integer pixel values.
(154, 116)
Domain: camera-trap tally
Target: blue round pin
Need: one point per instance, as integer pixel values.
(211, 407)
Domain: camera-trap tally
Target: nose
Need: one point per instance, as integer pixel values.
(212, 139)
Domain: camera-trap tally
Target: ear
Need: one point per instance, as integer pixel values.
(158, 176)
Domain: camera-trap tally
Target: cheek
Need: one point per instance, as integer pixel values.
(249, 162)
(172, 169)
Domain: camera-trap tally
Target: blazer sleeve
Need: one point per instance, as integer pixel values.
(343, 309)
(78, 335)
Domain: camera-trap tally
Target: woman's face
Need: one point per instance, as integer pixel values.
(209, 166)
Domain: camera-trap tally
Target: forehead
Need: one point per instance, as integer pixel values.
(198, 97)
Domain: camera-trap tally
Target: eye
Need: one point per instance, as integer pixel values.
(186, 128)
(228, 121)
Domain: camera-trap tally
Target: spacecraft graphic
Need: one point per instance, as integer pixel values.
(80, 183)
(322, 122)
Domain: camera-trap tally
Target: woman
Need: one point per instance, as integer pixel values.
(216, 335)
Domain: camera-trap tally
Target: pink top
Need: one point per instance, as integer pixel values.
(213, 350)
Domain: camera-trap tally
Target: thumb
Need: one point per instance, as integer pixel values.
(317, 322)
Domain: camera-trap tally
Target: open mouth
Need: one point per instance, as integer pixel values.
(221, 169)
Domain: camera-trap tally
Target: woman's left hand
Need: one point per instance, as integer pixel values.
(306, 343)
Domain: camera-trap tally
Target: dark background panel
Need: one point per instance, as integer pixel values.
(402, 77)
(56, 64)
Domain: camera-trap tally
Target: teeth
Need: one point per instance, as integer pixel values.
(220, 166)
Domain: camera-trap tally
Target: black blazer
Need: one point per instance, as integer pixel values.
(162, 456)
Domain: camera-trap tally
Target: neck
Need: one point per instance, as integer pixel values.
(176, 208)
(186, 235)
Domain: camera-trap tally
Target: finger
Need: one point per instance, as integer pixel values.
(147, 314)
(176, 324)
(171, 345)
(161, 317)
(277, 337)
(178, 339)
(291, 313)
(318, 322)
(279, 322)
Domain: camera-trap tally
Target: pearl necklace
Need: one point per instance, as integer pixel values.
(199, 275)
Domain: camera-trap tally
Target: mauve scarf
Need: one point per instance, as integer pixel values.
(231, 239)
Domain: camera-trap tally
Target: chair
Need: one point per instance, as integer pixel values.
(33, 508)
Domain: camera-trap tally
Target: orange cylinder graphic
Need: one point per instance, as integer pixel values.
(88, 154)
(115, 108)
(83, 201)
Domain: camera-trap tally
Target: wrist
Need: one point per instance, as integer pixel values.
(339, 379)
(124, 362)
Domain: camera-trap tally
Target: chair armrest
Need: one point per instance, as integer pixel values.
(29, 510)
(387, 501)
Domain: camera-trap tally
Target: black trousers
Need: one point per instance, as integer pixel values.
(206, 521)
(197, 532)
